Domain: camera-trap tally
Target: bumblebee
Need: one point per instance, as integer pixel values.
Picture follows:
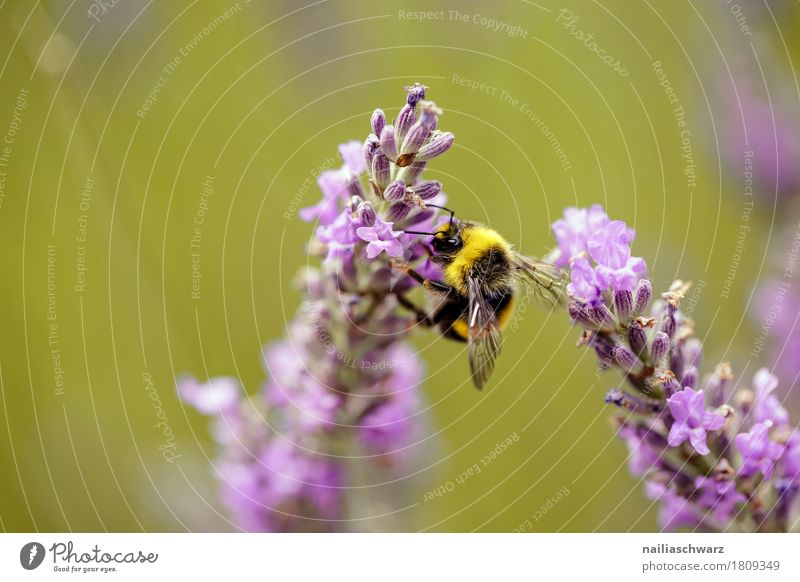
(483, 277)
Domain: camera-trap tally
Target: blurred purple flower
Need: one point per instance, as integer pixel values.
(674, 512)
(762, 131)
(294, 474)
(217, 396)
(719, 496)
(334, 184)
(389, 427)
(342, 230)
(342, 380)
(351, 154)
(790, 460)
(777, 314)
(767, 406)
(759, 453)
(642, 455)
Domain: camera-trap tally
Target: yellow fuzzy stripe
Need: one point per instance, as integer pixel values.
(505, 315)
(478, 240)
(461, 329)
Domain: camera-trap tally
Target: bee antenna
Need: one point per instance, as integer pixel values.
(418, 232)
(452, 212)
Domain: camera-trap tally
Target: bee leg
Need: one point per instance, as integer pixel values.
(433, 286)
(423, 318)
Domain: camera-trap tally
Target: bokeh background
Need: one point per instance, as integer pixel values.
(99, 196)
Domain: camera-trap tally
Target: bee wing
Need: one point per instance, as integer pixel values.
(540, 277)
(484, 334)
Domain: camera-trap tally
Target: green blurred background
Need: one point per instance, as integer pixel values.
(258, 103)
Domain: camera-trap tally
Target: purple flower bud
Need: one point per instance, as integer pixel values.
(377, 121)
(355, 187)
(414, 139)
(637, 338)
(692, 352)
(689, 379)
(405, 119)
(419, 218)
(371, 145)
(643, 295)
(717, 385)
(670, 383)
(409, 174)
(429, 113)
(439, 143)
(659, 348)
(398, 211)
(624, 400)
(602, 316)
(352, 204)
(676, 362)
(366, 213)
(311, 280)
(427, 190)
(743, 401)
(389, 142)
(668, 324)
(626, 359)
(416, 93)
(380, 170)
(580, 315)
(603, 348)
(395, 191)
(623, 300)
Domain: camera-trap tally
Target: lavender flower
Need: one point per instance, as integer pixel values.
(776, 313)
(573, 231)
(643, 454)
(759, 453)
(381, 238)
(674, 512)
(217, 396)
(343, 383)
(767, 407)
(333, 184)
(585, 234)
(719, 496)
(762, 129)
(790, 461)
(691, 420)
(713, 460)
